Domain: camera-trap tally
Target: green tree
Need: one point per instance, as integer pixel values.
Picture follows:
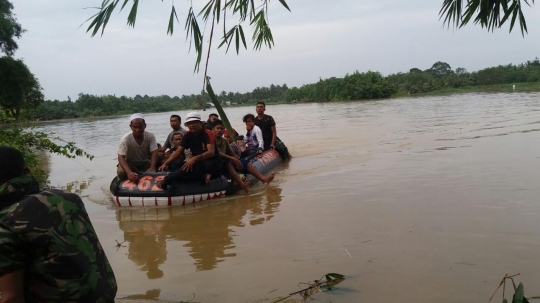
(19, 89)
(440, 69)
(490, 14)
(10, 29)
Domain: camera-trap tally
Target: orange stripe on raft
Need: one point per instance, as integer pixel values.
(118, 201)
(169, 201)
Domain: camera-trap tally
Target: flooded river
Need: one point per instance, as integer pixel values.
(430, 199)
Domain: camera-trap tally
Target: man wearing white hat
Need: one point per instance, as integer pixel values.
(135, 149)
(202, 144)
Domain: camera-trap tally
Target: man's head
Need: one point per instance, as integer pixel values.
(260, 108)
(177, 138)
(217, 128)
(193, 122)
(11, 164)
(249, 119)
(137, 125)
(212, 117)
(175, 122)
(228, 136)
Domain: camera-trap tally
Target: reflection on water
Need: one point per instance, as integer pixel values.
(205, 230)
(77, 186)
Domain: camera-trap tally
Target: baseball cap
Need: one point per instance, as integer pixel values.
(193, 116)
(136, 116)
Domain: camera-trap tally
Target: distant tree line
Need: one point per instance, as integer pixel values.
(355, 86)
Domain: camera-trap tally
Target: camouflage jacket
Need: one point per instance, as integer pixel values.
(49, 235)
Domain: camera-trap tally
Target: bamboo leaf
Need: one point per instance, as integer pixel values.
(508, 13)
(125, 2)
(110, 9)
(285, 4)
(335, 275)
(519, 294)
(133, 13)
(170, 28)
(513, 19)
(522, 23)
(243, 37)
(237, 41)
(217, 9)
(252, 8)
(207, 9)
(217, 104)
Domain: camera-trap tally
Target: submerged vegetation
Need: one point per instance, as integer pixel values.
(315, 286)
(519, 293)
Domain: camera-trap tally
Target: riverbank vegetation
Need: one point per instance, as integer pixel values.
(20, 93)
(439, 78)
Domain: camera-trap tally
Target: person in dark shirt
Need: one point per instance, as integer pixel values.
(268, 127)
(49, 250)
(209, 124)
(175, 122)
(202, 144)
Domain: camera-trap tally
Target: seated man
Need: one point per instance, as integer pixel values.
(135, 149)
(241, 165)
(234, 146)
(175, 121)
(49, 250)
(209, 124)
(204, 159)
(253, 139)
(268, 127)
(176, 140)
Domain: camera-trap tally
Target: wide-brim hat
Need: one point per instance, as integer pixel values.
(193, 116)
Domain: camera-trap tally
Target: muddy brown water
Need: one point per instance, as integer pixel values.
(428, 199)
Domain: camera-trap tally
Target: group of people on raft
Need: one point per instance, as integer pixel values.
(203, 151)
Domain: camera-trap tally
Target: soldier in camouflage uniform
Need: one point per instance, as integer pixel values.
(49, 251)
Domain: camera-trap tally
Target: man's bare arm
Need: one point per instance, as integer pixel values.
(12, 287)
(123, 163)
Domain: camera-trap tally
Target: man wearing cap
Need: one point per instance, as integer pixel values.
(135, 149)
(202, 144)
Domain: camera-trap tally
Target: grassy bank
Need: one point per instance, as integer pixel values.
(496, 88)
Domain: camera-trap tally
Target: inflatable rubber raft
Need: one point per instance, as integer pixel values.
(144, 192)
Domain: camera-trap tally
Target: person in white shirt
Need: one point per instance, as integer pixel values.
(137, 151)
(253, 138)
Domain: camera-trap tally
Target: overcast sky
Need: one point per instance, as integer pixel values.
(319, 38)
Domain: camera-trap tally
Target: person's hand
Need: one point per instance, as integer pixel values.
(132, 176)
(272, 146)
(259, 152)
(188, 166)
(151, 170)
(238, 164)
(164, 166)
